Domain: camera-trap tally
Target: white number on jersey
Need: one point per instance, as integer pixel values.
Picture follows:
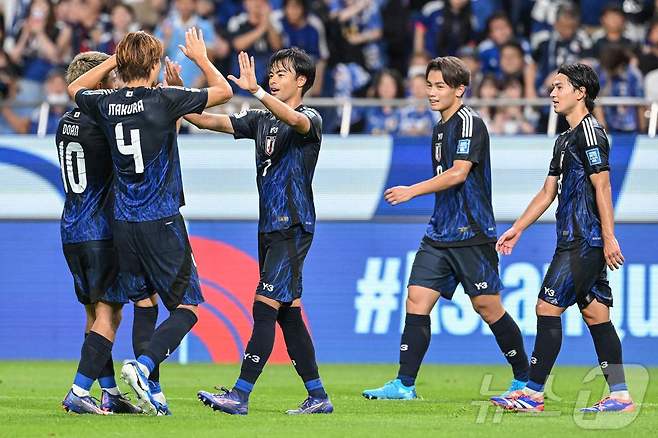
(66, 165)
(134, 148)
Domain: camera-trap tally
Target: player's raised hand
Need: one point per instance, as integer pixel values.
(397, 195)
(507, 241)
(612, 253)
(172, 74)
(195, 47)
(247, 80)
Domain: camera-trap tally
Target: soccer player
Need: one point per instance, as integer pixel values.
(139, 122)
(86, 231)
(458, 246)
(287, 136)
(579, 175)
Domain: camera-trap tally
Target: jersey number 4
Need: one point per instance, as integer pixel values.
(134, 148)
(78, 183)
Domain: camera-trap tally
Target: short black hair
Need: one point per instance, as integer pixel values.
(515, 45)
(298, 60)
(581, 75)
(498, 15)
(453, 69)
(614, 8)
(399, 83)
(303, 3)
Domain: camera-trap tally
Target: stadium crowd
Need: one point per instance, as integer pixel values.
(362, 48)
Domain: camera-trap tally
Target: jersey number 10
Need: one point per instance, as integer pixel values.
(134, 148)
(66, 165)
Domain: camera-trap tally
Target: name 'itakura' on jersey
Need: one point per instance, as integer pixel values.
(579, 153)
(285, 164)
(463, 215)
(140, 125)
(86, 167)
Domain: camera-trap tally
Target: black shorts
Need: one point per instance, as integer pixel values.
(441, 269)
(94, 267)
(577, 274)
(281, 257)
(159, 253)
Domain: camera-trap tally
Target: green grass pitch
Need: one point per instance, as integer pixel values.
(452, 404)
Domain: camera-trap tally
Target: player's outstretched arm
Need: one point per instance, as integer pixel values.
(93, 77)
(542, 200)
(611, 250)
(454, 176)
(247, 81)
(219, 90)
(214, 122)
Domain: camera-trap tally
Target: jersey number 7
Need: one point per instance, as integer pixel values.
(134, 148)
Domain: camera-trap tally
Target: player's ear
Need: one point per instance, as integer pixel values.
(461, 89)
(301, 81)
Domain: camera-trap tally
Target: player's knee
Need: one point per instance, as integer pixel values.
(489, 312)
(418, 305)
(545, 309)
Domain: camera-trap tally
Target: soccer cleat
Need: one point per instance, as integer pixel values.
(118, 404)
(392, 390)
(137, 380)
(519, 401)
(610, 404)
(516, 385)
(160, 398)
(226, 401)
(81, 405)
(313, 405)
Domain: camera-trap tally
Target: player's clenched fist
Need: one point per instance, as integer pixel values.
(397, 195)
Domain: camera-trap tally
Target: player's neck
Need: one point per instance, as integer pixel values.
(294, 101)
(576, 116)
(451, 110)
(138, 83)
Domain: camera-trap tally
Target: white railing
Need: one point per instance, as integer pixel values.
(347, 106)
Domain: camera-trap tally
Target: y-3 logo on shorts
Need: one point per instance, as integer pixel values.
(548, 291)
(268, 287)
(482, 285)
(510, 353)
(252, 357)
(404, 347)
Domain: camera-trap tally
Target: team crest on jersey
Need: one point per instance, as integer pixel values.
(437, 146)
(593, 156)
(129, 93)
(463, 146)
(269, 144)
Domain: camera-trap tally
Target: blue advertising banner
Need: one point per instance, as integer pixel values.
(354, 292)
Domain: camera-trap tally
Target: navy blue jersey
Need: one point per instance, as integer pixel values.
(285, 163)
(579, 153)
(463, 214)
(140, 125)
(86, 165)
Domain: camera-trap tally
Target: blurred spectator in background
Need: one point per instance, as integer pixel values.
(499, 32)
(384, 119)
(510, 119)
(514, 65)
(360, 26)
(648, 54)
(40, 46)
(564, 45)
(543, 15)
(418, 64)
(613, 30)
(302, 29)
(8, 77)
(417, 119)
(398, 35)
(55, 105)
(487, 91)
(255, 32)
(619, 78)
(470, 57)
(149, 13)
(444, 27)
(89, 22)
(122, 18)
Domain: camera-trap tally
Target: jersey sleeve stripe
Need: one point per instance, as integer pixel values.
(467, 122)
(589, 128)
(461, 116)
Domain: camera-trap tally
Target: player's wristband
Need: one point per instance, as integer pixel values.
(259, 94)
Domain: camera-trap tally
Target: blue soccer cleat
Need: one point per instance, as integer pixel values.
(158, 395)
(516, 385)
(610, 404)
(82, 405)
(226, 401)
(132, 374)
(118, 404)
(313, 405)
(519, 401)
(392, 390)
